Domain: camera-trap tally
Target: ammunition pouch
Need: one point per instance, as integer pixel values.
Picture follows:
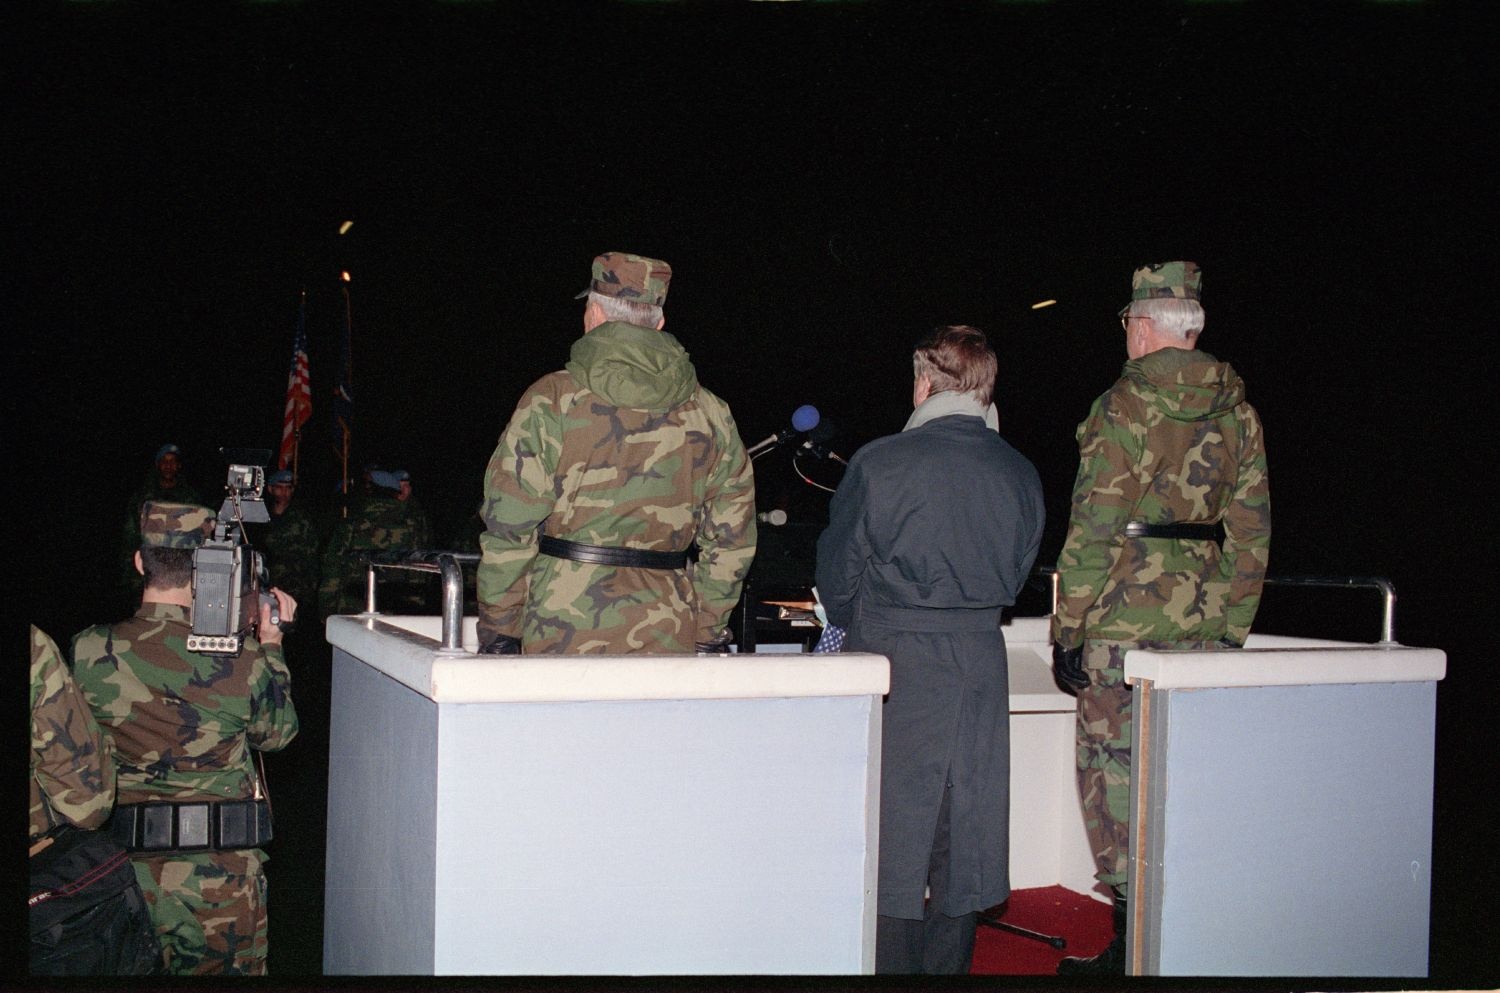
(189, 826)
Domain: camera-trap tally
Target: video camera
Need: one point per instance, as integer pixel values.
(228, 574)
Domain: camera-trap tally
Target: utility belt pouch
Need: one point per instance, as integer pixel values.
(192, 825)
(244, 824)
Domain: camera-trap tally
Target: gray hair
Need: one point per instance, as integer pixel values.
(1174, 318)
(646, 315)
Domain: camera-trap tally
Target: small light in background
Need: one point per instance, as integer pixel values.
(344, 228)
(344, 275)
(1044, 303)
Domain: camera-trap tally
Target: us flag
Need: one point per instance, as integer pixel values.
(298, 394)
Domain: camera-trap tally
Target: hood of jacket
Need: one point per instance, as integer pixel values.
(1185, 385)
(632, 366)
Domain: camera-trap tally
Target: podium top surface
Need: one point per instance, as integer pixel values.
(1272, 661)
(400, 648)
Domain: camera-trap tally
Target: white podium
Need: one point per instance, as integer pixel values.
(1048, 844)
(1282, 820)
(597, 815)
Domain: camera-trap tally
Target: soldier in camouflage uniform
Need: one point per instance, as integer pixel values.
(72, 761)
(1167, 456)
(184, 726)
(289, 541)
(378, 523)
(164, 482)
(607, 472)
(408, 497)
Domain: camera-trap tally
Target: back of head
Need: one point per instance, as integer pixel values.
(629, 288)
(957, 358)
(1170, 295)
(169, 533)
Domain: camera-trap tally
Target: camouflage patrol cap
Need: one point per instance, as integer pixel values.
(175, 525)
(1177, 280)
(630, 277)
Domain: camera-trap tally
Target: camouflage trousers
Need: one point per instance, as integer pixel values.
(1104, 732)
(209, 910)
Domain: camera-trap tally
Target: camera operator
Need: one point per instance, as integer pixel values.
(184, 726)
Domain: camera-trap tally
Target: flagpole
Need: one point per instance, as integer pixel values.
(298, 405)
(348, 359)
(297, 430)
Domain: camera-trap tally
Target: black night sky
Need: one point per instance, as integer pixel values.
(828, 181)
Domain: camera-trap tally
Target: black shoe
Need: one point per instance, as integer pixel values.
(1110, 962)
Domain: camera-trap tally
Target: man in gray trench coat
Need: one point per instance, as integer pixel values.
(931, 533)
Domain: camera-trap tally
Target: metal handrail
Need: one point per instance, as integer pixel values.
(1387, 592)
(445, 564)
(448, 566)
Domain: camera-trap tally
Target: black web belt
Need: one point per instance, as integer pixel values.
(629, 558)
(1182, 532)
(203, 825)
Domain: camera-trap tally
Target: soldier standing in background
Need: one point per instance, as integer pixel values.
(184, 726)
(164, 482)
(289, 541)
(1171, 458)
(607, 472)
(377, 523)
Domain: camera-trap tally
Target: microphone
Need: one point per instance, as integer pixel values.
(814, 444)
(804, 419)
(775, 518)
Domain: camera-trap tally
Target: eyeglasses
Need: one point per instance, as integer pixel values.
(1126, 318)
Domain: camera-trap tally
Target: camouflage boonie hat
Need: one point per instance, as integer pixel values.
(630, 277)
(1179, 280)
(175, 525)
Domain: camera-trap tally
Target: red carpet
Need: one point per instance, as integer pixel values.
(1079, 919)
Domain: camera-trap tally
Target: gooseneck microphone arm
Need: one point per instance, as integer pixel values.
(804, 419)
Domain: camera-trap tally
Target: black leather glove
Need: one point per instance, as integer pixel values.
(718, 646)
(1067, 669)
(503, 644)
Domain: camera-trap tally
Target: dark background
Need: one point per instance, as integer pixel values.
(829, 181)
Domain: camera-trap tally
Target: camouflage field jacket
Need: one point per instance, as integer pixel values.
(72, 762)
(622, 449)
(289, 542)
(378, 523)
(183, 724)
(1173, 441)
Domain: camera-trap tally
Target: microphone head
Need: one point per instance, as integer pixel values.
(776, 517)
(805, 417)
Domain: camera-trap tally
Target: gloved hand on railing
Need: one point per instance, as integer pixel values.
(1067, 669)
(503, 644)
